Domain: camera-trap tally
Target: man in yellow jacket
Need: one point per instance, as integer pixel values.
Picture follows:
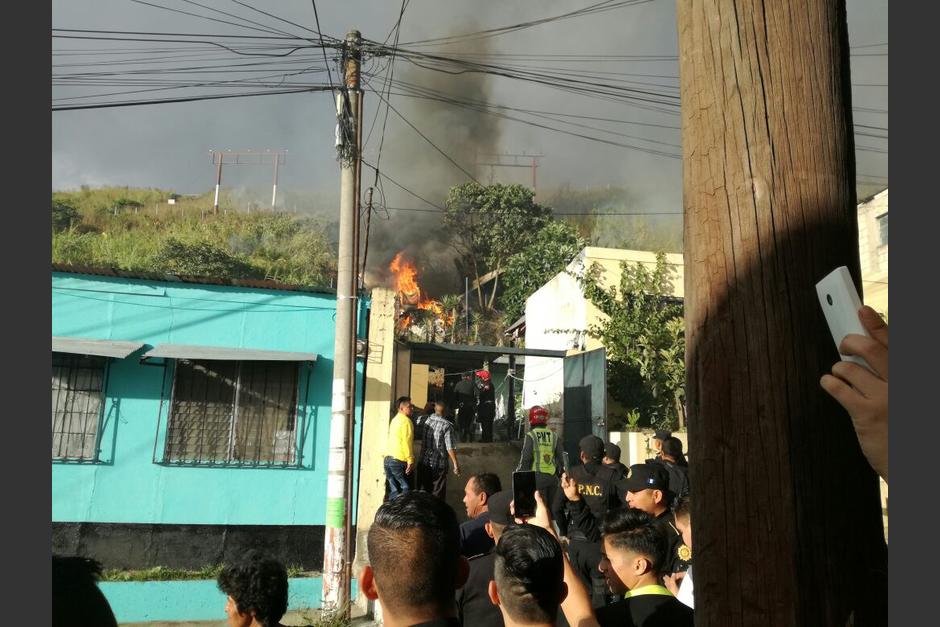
(399, 450)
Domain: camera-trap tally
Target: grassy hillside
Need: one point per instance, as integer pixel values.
(136, 229)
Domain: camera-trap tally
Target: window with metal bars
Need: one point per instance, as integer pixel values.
(77, 400)
(241, 413)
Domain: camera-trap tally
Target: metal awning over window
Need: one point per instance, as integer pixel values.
(101, 348)
(188, 351)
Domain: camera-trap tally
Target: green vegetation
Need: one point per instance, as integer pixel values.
(646, 232)
(161, 573)
(136, 230)
(644, 334)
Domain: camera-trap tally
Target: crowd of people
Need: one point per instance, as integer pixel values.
(607, 545)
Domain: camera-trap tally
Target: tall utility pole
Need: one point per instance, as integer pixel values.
(218, 181)
(335, 547)
(277, 161)
(786, 515)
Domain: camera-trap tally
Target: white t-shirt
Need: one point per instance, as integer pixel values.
(685, 590)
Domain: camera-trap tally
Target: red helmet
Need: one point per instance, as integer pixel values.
(483, 374)
(538, 415)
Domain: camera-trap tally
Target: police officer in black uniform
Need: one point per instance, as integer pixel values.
(648, 489)
(596, 495)
(473, 601)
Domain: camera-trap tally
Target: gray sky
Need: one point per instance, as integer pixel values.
(167, 146)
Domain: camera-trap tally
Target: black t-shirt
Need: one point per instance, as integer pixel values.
(678, 555)
(465, 391)
(473, 600)
(596, 484)
(646, 610)
(473, 537)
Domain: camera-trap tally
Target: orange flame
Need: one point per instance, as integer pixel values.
(409, 292)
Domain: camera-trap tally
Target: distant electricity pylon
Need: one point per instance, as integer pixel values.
(499, 161)
(245, 157)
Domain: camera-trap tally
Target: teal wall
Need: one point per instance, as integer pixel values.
(127, 486)
(200, 600)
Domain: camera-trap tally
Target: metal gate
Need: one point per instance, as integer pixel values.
(585, 398)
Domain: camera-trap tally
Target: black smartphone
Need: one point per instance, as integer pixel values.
(566, 465)
(523, 493)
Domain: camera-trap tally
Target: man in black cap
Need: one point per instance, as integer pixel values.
(656, 443)
(674, 462)
(596, 482)
(648, 490)
(612, 460)
(473, 601)
(590, 492)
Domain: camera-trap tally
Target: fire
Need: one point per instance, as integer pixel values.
(411, 295)
(405, 281)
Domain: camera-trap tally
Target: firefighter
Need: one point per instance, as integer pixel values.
(541, 448)
(466, 402)
(486, 408)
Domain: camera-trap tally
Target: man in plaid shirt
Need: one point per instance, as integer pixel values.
(438, 443)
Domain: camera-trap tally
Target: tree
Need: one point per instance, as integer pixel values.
(64, 216)
(787, 515)
(202, 259)
(488, 225)
(551, 250)
(643, 333)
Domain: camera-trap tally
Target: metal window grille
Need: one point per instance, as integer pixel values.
(233, 413)
(883, 228)
(77, 400)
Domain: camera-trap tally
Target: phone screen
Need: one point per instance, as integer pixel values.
(523, 493)
(565, 462)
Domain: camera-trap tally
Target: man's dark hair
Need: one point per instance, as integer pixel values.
(258, 584)
(672, 446)
(414, 545)
(529, 569)
(682, 507)
(487, 482)
(76, 598)
(635, 530)
(402, 399)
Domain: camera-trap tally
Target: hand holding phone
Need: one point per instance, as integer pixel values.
(523, 493)
(840, 304)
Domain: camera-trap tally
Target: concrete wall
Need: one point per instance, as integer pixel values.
(196, 600)
(872, 253)
(380, 367)
(635, 445)
(128, 487)
(560, 305)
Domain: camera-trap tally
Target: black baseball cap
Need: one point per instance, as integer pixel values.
(660, 434)
(646, 477)
(592, 446)
(499, 508)
(612, 451)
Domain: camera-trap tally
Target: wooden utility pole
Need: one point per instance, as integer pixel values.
(786, 512)
(336, 554)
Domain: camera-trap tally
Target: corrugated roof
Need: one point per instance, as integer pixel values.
(264, 284)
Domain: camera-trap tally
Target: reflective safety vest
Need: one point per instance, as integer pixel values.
(543, 450)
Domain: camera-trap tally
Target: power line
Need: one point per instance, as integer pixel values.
(136, 103)
(426, 138)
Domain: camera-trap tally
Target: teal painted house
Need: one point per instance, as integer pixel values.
(190, 418)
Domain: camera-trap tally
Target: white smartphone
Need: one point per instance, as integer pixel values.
(840, 304)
